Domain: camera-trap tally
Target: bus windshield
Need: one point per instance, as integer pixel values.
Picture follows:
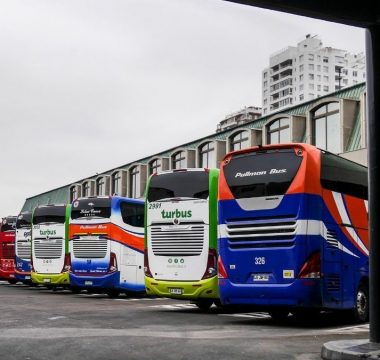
(181, 184)
(91, 208)
(49, 214)
(8, 224)
(24, 221)
(261, 173)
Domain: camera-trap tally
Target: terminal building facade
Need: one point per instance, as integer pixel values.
(335, 122)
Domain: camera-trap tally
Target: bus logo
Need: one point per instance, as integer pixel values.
(176, 221)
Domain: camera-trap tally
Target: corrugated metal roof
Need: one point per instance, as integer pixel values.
(57, 196)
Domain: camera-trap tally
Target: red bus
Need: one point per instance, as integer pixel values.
(7, 249)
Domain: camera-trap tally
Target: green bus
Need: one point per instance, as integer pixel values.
(180, 255)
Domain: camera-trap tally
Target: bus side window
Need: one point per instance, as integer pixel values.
(132, 214)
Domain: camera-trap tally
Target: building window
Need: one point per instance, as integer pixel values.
(239, 141)
(311, 76)
(100, 187)
(278, 131)
(207, 157)
(325, 59)
(86, 189)
(134, 182)
(179, 160)
(311, 67)
(116, 183)
(155, 166)
(326, 127)
(73, 193)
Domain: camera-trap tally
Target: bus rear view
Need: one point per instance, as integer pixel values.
(7, 249)
(23, 247)
(181, 226)
(284, 241)
(50, 261)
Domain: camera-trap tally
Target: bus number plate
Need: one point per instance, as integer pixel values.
(46, 280)
(176, 291)
(88, 282)
(260, 277)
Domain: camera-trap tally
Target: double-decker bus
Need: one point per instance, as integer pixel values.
(181, 235)
(23, 247)
(50, 258)
(107, 245)
(7, 249)
(293, 231)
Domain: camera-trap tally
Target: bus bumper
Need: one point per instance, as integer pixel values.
(107, 281)
(7, 275)
(300, 293)
(183, 290)
(51, 279)
(23, 276)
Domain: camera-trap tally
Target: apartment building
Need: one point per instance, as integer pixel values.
(308, 71)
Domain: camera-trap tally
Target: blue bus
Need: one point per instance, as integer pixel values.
(293, 231)
(107, 245)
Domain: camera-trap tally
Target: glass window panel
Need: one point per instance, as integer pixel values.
(284, 122)
(333, 106)
(273, 138)
(333, 133)
(320, 133)
(274, 125)
(284, 136)
(322, 110)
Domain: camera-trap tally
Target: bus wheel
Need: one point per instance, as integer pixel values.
(279, 314)
(75, 290)
(204, 304)
(218, 303)
(361, 310)
(12, 281)
(113, 293)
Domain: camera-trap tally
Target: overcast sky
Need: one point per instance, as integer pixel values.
(89, 85)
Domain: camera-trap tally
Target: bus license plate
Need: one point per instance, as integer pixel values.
(27, 277)
(46, 280)
(260, 277)
(88, 282)
(176, 291)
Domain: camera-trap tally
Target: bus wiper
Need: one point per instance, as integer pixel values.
(178, 199)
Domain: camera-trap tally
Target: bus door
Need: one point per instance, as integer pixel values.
(132, 258)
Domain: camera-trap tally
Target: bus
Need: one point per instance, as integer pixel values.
(107, 245)
(181, 236)
(23, 247)
(7, 249)
(293, 231)
(50, 258)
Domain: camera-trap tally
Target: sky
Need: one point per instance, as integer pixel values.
(90, 85)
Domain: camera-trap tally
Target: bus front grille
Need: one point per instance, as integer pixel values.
(262, 233)
(90, 247)
(23, 249)
(51, 248)
(8, 250)
(177, 240)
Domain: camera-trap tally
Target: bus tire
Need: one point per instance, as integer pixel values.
(279, 314)
(204, 304)
(361, 310)
(75, 290)
(113, 293)
(218, 303)
(12, 281)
